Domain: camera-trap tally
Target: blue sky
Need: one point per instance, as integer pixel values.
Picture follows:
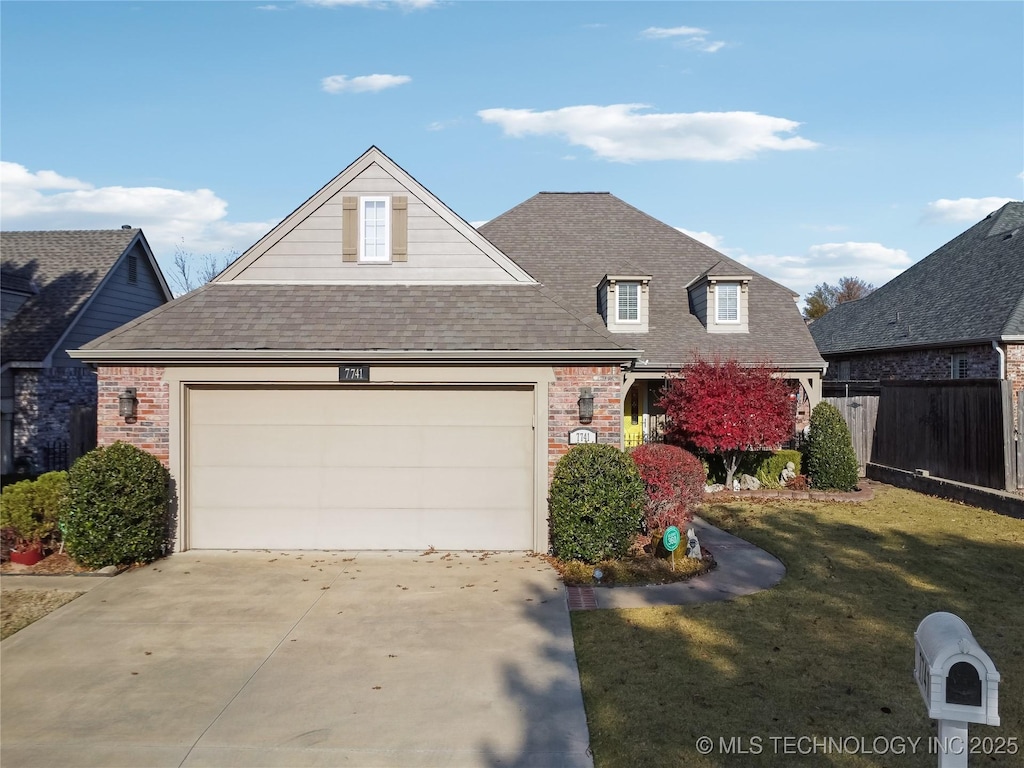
(809, 140)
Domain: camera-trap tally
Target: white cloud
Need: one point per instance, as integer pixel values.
(709, 239)
(478, 224)
(442, 125)
(622, 133)
(362, 83)
(196, 220)
(657, 33)
(691, 37)
(268, 8)
(826, 263)
(411, 5)
(964, 209)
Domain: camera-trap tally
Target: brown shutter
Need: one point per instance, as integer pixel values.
(350, 229)
(400, 228)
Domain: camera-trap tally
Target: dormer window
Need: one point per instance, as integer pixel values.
(623, 301)
(628, 303)
(727, 302)
(721, 302)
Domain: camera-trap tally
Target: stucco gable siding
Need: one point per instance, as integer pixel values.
(312, 250)
(116, 303)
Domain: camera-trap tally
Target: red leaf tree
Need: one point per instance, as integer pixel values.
(726, 408)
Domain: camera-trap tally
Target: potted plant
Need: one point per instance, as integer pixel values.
(30, 509)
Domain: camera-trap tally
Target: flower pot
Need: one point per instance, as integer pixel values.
(27, 557)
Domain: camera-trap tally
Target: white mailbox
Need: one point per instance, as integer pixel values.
(957, 679)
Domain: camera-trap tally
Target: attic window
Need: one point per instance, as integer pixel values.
(133, 269)
(727, 303)
(375, 229)
(628, 303)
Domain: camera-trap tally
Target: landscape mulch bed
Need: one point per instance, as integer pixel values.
(57, 564)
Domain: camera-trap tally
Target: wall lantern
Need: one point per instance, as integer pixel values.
(586, 403)
(127, 403)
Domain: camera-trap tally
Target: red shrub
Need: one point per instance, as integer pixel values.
(675, 482)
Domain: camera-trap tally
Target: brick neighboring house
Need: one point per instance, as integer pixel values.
(956, 314)
(375, 373)
(59, 290)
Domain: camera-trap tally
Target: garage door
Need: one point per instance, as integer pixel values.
(361, 468)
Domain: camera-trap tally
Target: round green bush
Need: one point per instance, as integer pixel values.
(829, 458)
(596, 502)
(32, 507)
(116, 511)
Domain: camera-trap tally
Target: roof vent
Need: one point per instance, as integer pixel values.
(1008, 235)
(126, 226)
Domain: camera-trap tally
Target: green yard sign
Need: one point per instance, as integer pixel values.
(671, 538)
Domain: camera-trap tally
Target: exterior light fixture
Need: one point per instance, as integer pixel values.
(127, 403)
(586, 403)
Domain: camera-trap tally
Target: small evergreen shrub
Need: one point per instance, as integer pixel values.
(117, 507)
(769, 471)
(675, 481)
(829, 458)
(596, 503)
(31, 508)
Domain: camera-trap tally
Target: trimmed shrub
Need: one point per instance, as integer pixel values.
(829, 458)
(31, 508)
(769, 471)
(117, 507)
(675, 481)
(596, 502)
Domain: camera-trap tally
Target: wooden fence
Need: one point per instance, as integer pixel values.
(958, 429)
(860, 413)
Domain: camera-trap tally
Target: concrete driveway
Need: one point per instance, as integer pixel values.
(301, 659)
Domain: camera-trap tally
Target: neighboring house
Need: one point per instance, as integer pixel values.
(59, 290)
(956, 314)
(375, 373)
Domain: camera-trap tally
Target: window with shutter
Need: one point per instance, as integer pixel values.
(375, 230)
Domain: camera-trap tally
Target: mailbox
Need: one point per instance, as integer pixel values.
(958, 680)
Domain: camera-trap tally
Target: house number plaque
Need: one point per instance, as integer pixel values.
(582, 435)
(354, 373)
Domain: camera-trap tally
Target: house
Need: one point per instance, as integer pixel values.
(375, 373)
(59, 290)
(956, 314)
(657, 290)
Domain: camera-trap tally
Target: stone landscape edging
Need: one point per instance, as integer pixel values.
(864, 493)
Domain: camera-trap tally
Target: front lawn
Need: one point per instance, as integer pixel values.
(828, 653)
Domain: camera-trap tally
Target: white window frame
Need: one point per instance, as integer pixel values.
(618, 302)
(363, 255)
(958, 361)
(718, 304)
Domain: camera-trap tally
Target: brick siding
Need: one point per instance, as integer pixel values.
(982, 363)
(564, 411)
(150, 429)
(45, 400)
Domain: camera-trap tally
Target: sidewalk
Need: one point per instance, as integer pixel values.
(743, 569)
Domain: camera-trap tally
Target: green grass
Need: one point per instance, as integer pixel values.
(829, 652)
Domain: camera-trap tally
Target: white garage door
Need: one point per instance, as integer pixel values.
(360, 468)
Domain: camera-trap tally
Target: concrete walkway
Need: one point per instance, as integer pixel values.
(301, 659)
(742, 570)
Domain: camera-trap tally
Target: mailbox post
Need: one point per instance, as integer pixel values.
(958, 682)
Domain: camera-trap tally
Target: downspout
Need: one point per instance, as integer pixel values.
(1002, 359)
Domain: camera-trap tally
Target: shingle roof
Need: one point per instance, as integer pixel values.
(570, 241)
(970, 289)
(227, 316)
(66, 266)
